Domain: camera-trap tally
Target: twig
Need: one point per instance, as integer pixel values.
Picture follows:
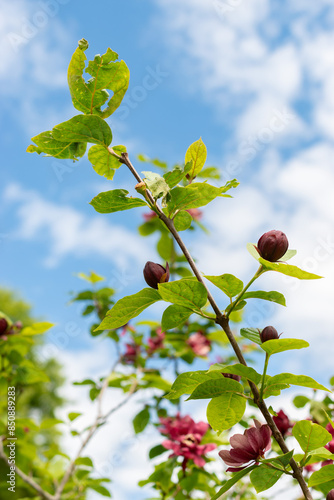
(99, 420)
(24, 477)
(223, 321)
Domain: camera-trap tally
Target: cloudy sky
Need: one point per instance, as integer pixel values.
(254, 79)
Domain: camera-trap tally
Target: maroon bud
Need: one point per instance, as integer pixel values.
(282, 422)
(232, 375)
(155, 274)
(330, 495)
(272, 245)
(268, 333)
(3, 326)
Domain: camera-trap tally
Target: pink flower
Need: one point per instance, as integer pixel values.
(282, 422)
(199, 344)
(247, 447)
(149, 216)
(195, 213)
(156, 342)
(131, 353)
(184, 438)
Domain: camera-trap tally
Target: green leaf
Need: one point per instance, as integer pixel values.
(195, 195)
(103, 162)
(300, 401)
(156, 184)
(165, 246)
(115, 201)
(271, 296)
(91, 278)
(182, 220)
(156, 451)
(62, 150)
(225, 411)
(323, 475)
(86, 461)
(141, 420)
(215, 387)
(84, 128)
(72, 416)
(288, 255)
(107, 74)
(231, 482)
(129, 307)
(228, 283)
(100, 489)
(300, 380)
(263, 478)
(177, 174)
(174, 316)
(288, 270)
(310, 436)
(36, 328)
(185, 293)
(251, 334)
(187, 382)
(238, 369)
(280, 345)
(280, 459)
(253, 251)
(196, 153)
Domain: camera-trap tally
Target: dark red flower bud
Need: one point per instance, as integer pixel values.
(282, 422)
(155, 274)
(3, 326)
(268, 333)
(272, 245)
(232, 375)
(330, 495)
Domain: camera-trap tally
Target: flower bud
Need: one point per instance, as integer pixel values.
(268, 333)
(272, 245)
(330, 495)
(233, 376)
(155, 274)
(3, 326)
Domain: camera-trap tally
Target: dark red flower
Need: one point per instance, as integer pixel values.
(272, 245)
(156, 342)
(199, 344)
(155, 274)
(233, 376)
(3, 326)
(131, 354)
(330, 445)
(247, 447)
(330, 495)
(282, 422)
(185, 437)
(268, 333)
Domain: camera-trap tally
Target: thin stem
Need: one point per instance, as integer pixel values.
(223, 321)
(241, 294)
(263, 381)
(99, 420)
(27, 479)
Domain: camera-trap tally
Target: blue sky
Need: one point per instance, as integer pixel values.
(255, 80)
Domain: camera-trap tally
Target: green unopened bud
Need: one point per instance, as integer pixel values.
(83, 44)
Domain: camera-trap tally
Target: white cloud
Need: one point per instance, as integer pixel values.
(68, 232)
(250, 57)
(33, 60)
